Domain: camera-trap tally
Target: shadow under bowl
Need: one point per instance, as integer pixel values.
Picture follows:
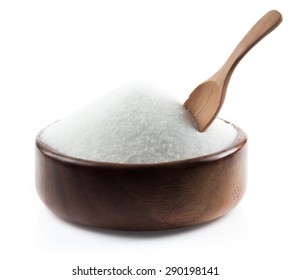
(142, 196)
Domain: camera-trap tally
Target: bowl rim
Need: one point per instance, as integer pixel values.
(237, 144)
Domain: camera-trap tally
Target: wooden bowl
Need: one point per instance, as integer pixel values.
(142, 196)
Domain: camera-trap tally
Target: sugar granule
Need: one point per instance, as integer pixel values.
(136, 123)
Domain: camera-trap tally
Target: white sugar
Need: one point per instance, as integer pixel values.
(136, 123)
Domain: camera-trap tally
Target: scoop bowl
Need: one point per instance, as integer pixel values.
(142, 196)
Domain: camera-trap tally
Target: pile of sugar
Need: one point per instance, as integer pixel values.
(136, 123)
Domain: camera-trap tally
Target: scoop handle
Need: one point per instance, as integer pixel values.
(262, 28)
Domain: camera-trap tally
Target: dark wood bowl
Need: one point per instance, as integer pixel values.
(142, 196)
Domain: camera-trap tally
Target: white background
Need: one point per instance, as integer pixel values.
(56, 56)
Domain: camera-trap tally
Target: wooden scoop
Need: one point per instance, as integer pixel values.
(206, 100)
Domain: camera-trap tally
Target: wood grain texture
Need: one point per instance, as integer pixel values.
(207, 99)
(142, 196)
